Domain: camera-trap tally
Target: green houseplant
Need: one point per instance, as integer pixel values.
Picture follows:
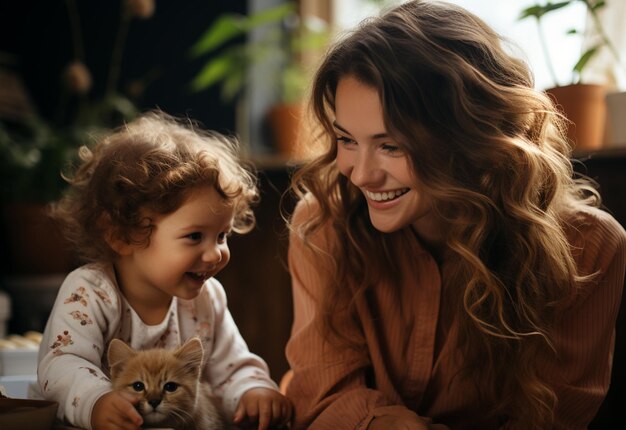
(284, 39)
(582, 103)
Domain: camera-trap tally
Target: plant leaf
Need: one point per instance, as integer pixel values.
(213, 72)
(554, 6)
(266, 16)
(598, 5)
(582, 62)
(538, 10)
(572, 31)
(535, 11)
(225, 28)
(233, 84)
(122, 105)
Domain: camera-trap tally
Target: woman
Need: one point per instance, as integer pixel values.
(447, 270)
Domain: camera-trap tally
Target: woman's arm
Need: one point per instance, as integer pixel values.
(329, 386)
(585, 334)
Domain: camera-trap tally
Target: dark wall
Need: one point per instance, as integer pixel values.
(257, 280)
(35, 39)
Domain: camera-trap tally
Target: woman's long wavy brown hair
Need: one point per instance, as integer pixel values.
(491, 152)
(144, 169)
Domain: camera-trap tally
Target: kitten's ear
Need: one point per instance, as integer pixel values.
(117, 353)
(191, 352)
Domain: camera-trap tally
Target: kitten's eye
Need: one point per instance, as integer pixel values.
(138, 386)
(170, 386)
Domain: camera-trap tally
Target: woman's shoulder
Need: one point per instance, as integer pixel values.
(310, 230)
(306, 208)
(594, 224)
(595, 236)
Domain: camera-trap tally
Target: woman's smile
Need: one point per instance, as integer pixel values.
(370, 158)
(381, 196)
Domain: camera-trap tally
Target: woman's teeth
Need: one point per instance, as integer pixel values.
(387, 195)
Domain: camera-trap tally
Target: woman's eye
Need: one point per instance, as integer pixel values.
(196, 236)
(170, 386)
(138, 386)
(391, 149)
(344, 140)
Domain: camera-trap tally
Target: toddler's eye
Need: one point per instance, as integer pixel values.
(170, 386)
(221, 238)
(138, 386)
(195, 236)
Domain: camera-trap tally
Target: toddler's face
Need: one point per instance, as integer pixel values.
(186, 247)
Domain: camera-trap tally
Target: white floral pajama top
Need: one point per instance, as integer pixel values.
(90, 311)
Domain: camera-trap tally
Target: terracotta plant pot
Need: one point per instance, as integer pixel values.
(284, 120)
(585, 106)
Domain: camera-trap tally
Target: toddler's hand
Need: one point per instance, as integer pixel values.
(116, 410)
(265, 406)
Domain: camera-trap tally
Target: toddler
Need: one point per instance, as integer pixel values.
(150, 209)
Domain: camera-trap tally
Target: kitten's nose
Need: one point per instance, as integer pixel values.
(154, 403)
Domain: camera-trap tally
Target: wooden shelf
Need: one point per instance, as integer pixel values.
(614, 152)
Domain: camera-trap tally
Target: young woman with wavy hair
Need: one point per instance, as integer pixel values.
(448, 271)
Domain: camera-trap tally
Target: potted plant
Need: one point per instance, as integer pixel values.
(285, 40)
(583, 104)
(35, 149)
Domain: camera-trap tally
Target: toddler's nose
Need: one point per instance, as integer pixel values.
(212, 255)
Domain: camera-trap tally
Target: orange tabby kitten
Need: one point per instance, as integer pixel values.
(168, 382)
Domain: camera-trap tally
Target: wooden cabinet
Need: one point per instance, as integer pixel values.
(257, 281)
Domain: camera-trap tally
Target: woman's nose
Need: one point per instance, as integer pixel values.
(365, 170)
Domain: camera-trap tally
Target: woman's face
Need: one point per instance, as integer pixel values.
(373, 162)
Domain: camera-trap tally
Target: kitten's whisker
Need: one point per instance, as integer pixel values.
(182, 416)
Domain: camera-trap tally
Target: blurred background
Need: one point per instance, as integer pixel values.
(70, 69)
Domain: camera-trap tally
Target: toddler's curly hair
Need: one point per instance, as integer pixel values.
(147, 168)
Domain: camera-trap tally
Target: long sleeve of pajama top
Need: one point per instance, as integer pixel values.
(410, 357)
(90, 311)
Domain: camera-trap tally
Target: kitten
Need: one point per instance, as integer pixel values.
(168, 382)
